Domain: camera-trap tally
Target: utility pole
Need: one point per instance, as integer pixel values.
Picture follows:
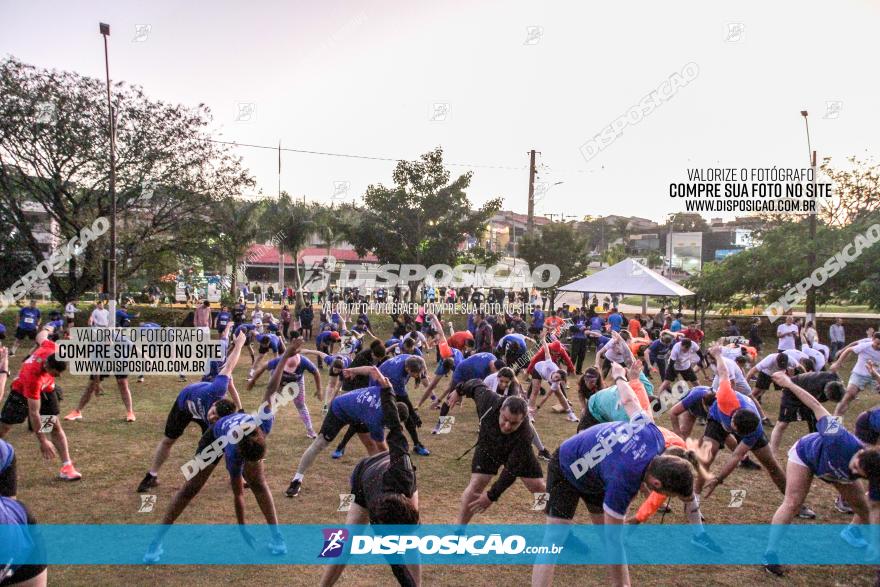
(530, 227)
(105, 32)
(811, 256)
(280, 249)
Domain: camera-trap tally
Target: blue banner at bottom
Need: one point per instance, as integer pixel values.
(812, 544)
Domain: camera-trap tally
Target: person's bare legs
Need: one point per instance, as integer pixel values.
(163, 450)
(356, 516)
(851, 393)
(59, 439)
(556, 532)
(125, 394)
(91, 389)
(776, 435)
(476, 486)
(799, 480)
(768, 459)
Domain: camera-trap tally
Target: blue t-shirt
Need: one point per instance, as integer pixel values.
(248, 327)
(223, 426)
(580, 325)
(361, 406)
(304, 365)
(659, 351)
(324, 337)
(874, 419)
(517, 341)
(457, 358)
(597, 323)
(395, 370)
(197, 398)
(538, 319)
(223, 319)
(596, 461)
(828, 451)
(745, 403)
(7, 453)
(150, 325)
(616, 321)
(56, 324)
(122, 317)
(675, 326)
(330, 359)
(476, 366)
(28, 318)
(693, 401)
(269, 340)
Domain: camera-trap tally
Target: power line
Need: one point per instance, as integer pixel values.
(365, 157)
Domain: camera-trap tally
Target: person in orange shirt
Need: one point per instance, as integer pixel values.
(635, 326)
(554, 324)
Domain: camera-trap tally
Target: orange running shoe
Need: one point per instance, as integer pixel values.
(68, 473)
(74, 415)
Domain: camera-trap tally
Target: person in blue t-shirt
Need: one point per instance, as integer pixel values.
(335, 365)
(8, 474)
(835, 456)
(244, 450)
(362, 410)
(538, 319)
(736, 414)
(28, 546)
(200, 403)
(222, 319)
(513, 347)
(266, 343)
(28, 326)
(597, 467)
(293, 371)
(695, 404)
(615, 320)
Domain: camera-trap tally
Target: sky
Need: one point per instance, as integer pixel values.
(489, 81)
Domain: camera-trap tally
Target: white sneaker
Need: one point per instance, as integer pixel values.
(571, 417)
(278, 546)
(153, 555)
(853, 536)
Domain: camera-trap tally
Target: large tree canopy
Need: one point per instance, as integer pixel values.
(421, 218)
(54, 153)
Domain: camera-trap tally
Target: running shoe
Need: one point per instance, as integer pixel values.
(544, 454)
(767, 422)
(749, 464)
(571, 417)
(74, 415)
(69, 473)
(147, 483)
(421, 450)
(182, 379)
(251, 374)
(130, 417)
(664, 509)
(841, 506)
(772, 566)
(703, 541)
(313, 435)
(337, 454)
(141, 379)
(154, 554)
(277, 546)
(294, 488)
(806, 513)
(853, 536)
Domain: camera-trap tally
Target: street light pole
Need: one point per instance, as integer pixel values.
(811, 256)
(105, 32)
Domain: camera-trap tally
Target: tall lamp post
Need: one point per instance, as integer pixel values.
(811, 256)
(105, 32)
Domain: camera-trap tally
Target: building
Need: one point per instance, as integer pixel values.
(504, 230)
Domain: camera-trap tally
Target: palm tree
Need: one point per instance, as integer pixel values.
(238, 222)
(291, 223)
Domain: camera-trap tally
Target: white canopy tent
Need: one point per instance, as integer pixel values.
(629, 277)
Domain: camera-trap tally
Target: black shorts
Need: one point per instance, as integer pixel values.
(524, 465)
(119, 377)
(564, 496)
(864, 432)
(9, 480)
(764, 381)
(333, 425)
(795, 411)
(716, 432)
(22, 574)
(672, 373)
(15, 410)
(21, 334)
(177, 421)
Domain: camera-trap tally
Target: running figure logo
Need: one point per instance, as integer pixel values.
(540, 501)
(345, 501)
(445, 426)
(334, 542)
(47, 424)
(148, 502)
(737, 497)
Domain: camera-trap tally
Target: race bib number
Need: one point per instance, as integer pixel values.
(28, 320)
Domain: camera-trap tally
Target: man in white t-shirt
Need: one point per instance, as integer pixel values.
(861, 376)
(681, 362)
(787, 333)
(100, 317)
(70, 311)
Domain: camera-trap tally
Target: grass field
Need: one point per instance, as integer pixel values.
(113, 456)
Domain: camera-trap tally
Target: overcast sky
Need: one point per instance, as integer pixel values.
(489, 80)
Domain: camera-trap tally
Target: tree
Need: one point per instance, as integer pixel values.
(856, 191)
(560, 244)
(54, 153)
(422, 218)
(237, 224)
(654, 259)
(614, 255)
(291, 224)
(687, 222)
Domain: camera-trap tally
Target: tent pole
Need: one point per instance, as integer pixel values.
(644, 306)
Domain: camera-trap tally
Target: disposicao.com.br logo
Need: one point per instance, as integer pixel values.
(449, 544)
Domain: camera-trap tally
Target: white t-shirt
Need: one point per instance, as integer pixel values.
(100, 317)
(492, 381)
(70, 310)
(546, 369)
(735, 375)
(768, 363)
(614, 352)
(816, 355)
(866, 352)
(683, 359)
(786, 342)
